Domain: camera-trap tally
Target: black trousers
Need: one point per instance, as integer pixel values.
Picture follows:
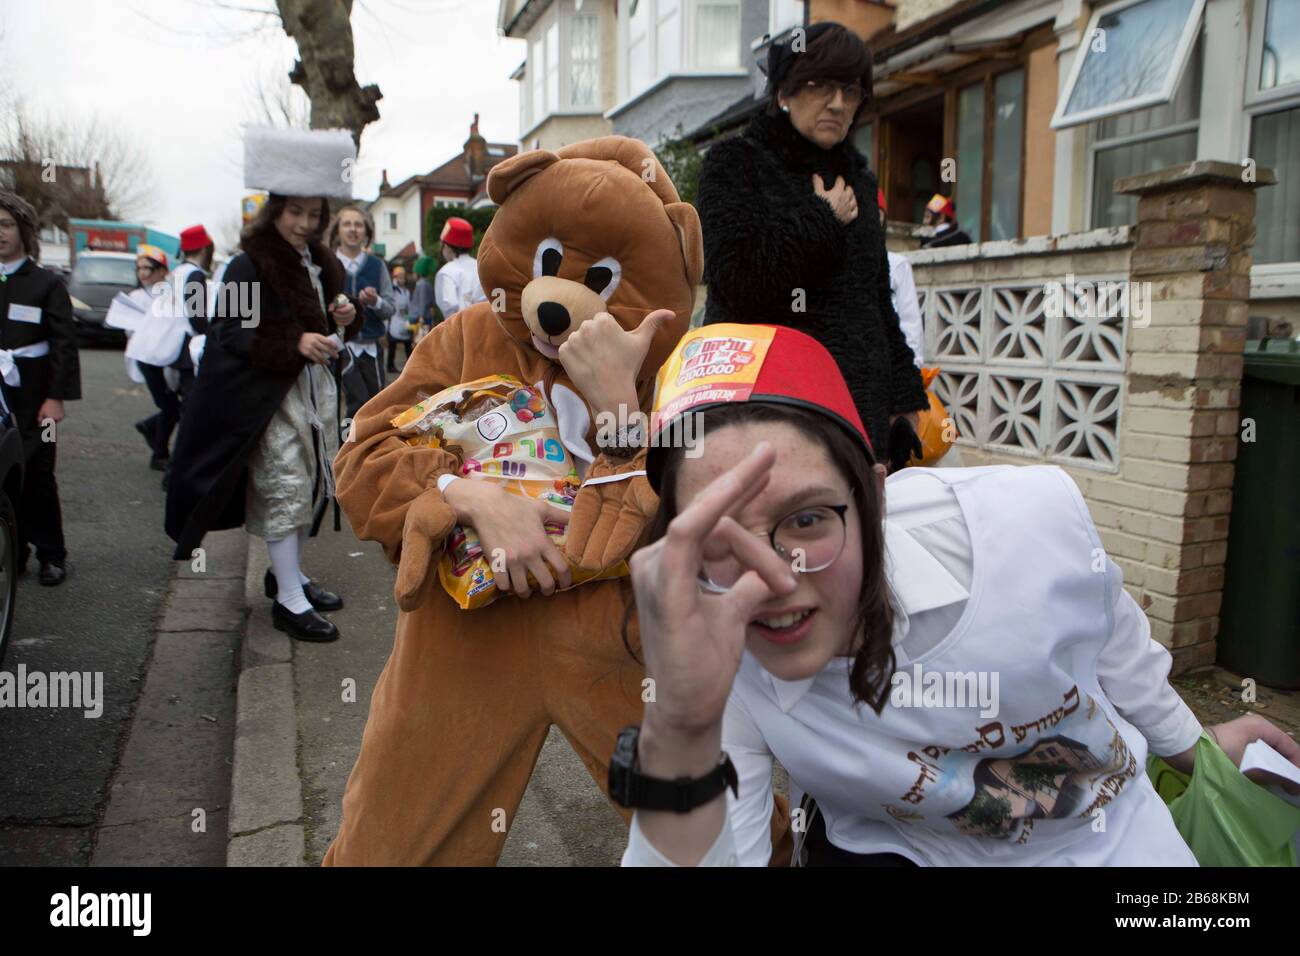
(40, 519)
(817, 850)
(392, 351)
(363, 379)
(167, 402)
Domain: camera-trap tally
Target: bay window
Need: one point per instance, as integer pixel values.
(663, 38)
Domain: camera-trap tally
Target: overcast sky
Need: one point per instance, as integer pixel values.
(178, 76)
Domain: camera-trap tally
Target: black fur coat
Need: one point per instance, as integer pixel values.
(772, 246)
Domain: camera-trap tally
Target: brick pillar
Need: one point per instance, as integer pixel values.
(1195, 227)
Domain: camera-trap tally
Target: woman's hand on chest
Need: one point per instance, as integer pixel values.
(840, 197)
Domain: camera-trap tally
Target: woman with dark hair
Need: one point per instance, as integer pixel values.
(956, 677)
(783, 239)
(260, 428)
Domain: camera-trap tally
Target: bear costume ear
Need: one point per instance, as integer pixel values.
(687, 223)
(506, 176)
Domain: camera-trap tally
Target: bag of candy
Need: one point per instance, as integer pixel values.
(502, 431)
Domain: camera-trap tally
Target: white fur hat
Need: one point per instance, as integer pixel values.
(299, 162)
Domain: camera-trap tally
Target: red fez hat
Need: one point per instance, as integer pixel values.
(458, 232)
(729, 362)
(195, 238)
(941, 205)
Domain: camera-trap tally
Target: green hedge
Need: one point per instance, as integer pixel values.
(437, 218)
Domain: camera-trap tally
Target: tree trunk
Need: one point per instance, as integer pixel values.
(323, 31)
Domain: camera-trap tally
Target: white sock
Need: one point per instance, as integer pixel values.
(284, 564)
(304, 535)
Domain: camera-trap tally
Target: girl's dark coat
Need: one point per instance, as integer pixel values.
(775, 254)
(249, 363)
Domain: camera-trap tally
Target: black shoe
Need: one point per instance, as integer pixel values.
(307, 626)
(52, 573)
(146, 429)
(320, 599)
(159, 462)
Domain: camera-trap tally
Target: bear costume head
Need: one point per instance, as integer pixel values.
(592, 227)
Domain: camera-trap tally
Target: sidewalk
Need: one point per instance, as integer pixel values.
(300, 728)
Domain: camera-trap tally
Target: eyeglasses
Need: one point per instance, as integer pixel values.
(811, 539)
(825, 91)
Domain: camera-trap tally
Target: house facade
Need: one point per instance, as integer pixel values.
(1042, 105)
(400, 211)
(569, 75)
(682, 62)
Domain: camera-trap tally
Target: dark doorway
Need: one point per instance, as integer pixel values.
(911, 150)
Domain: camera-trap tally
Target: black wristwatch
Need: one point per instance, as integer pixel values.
(628, 787)
(628, 440)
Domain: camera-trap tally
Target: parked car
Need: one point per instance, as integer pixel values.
(11, 483)
(95, 279)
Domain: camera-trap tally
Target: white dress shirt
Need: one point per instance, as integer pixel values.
(994, 572)
(456, 285)
(902, 289)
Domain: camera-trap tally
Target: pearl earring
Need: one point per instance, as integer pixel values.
(785, 108)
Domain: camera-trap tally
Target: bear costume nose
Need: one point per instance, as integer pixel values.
(553, 317)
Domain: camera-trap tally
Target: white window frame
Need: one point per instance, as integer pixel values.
(392, 221)
(625, 46)
(775, 28)
(1254, 95)
(1096, 146)
(1182, 53)
(552, 81)
(537, 71)
(683, 54)
(1269, 279)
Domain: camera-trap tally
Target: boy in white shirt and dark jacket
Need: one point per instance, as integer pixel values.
(369, 282)
(946, 664)
(40, 370)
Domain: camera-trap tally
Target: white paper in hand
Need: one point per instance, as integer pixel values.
(125, 312)
(1260, 756)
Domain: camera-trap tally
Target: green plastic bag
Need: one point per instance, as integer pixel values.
(1226, 818)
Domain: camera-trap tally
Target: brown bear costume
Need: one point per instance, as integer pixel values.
(464, 704)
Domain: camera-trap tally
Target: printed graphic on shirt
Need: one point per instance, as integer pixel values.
(1073, 762)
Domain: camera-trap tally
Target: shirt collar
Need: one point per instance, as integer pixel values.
(9, 268)
(918, 582)
(352, 265)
